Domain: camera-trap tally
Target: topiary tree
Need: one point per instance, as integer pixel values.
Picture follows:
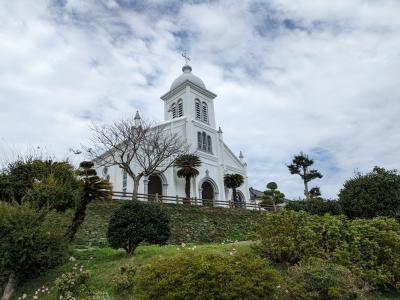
(208, 276)
(27, 246)
(301, 166)
(272, 196)
(188, 164)
(136, 222)
(233, 181)
(94, 188)
(374, 194)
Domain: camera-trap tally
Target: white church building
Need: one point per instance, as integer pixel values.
(189, 111)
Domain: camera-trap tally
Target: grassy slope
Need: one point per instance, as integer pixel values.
(105, 260)
(188, 223)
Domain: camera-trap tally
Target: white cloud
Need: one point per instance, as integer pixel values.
(314, 76)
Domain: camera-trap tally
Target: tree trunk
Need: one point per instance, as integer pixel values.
(234, 194)
(10, 287)
(187, 189)
(79, 217)
(306, 192)
(136, 181)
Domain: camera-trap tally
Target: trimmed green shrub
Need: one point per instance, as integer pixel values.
(317, 206)
(27, 247)
(136, 222)
(374, 194)
(208, 276)
(317, 279)
(369, 248)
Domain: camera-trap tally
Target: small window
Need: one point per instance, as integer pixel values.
(199, 143)
(124, 181)
(204, 140)
(198, 111)
(205, 112)
(180, 108)
(173, 110)
(209, 146)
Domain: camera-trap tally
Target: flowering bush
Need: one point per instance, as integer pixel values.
(72, 283)
(191, 275)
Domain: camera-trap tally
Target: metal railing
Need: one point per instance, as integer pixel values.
(156, 198)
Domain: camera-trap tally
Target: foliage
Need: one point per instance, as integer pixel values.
(20, 176)
(233, 181)
(94, 188)
(300, 165)
(369, 248)
(123, 277)
(71, 284)
(27, 247)
(52, 194)
(318, 279)
(374, 194)
(188, 164)
(136, 222)
(208, 276)
(272, 196)
(317, 206)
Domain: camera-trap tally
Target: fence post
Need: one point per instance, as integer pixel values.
(195, 201)
(156, 197)
(177, 199)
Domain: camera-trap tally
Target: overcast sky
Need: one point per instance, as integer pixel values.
(322, 77)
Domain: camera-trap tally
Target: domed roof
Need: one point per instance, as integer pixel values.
(187, 75)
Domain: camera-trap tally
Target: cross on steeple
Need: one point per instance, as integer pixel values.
(186, 56)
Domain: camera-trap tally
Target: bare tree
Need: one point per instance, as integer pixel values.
(136, 147)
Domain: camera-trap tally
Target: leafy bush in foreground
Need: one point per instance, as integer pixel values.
(317, 279)
(316, 206)
(208, 276)
(369, 248)
(123, 277)
(136, 222)
(27, 247)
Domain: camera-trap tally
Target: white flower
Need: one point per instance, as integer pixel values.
(24, 296)
(183, 245)
(72, 258)
(231, 253)
(278, 286)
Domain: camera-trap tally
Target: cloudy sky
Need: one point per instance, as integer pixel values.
(322, 77)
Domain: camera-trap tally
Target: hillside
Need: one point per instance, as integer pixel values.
(189, 224)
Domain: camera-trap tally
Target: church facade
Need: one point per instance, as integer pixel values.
(189, 112)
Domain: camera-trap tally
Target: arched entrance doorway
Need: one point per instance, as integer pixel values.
(154, 186)
(207, 193)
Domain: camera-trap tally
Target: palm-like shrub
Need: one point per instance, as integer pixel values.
(94, 188)
(233, 181)
(188, 164)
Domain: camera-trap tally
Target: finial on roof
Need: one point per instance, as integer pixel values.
(241, 155)
(186, 68)
(219, 130)
(137, 116)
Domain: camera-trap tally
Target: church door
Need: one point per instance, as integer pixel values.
(207, 193)
(154, 186)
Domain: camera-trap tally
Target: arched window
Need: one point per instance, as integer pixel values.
(173, 110)
(124, 181)
(209, 145)
(198, 110)
(180, 108)
(105, 171)
(199, 143)
(204, 139)
(204, 112)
